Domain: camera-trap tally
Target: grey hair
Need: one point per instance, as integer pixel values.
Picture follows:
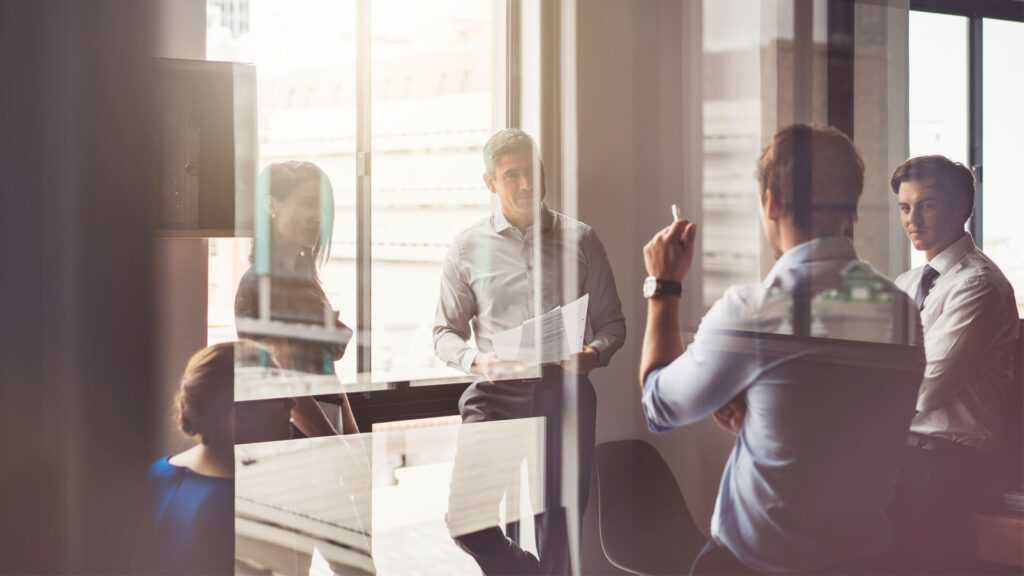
(505, 142)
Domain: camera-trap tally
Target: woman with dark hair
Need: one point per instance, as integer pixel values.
(194, 491)
(293, 231)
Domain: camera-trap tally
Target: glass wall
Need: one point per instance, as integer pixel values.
(1003, 88)
(394, 497)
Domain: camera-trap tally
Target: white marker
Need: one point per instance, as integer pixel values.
(676, 217)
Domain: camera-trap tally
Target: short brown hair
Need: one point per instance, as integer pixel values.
(207, 394)
(953, 178)
(833, 171)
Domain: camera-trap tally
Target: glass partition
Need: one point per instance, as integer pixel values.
(1003, 124)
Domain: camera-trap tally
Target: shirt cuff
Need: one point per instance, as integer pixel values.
(468, 357)
(601, 346)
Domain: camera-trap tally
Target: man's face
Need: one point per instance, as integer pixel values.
(513, 182)
(931, 220)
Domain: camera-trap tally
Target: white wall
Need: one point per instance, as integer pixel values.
(182, 264)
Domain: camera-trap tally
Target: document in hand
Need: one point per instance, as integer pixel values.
(545, 339)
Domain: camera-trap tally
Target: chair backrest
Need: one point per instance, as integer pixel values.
(644, 524)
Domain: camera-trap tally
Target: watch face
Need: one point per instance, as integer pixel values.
(650, 286)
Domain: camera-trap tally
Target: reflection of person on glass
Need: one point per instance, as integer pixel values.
(297, 200)
(815, 370)
(194, 491)
(487, 286)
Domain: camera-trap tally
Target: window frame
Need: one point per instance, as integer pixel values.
(510, 46)
(976, 13)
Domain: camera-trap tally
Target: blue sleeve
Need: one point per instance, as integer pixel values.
(719, 364)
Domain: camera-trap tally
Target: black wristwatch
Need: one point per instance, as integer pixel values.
(655, 288)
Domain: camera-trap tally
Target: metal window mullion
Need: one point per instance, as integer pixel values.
(513, 63)
(975, 128)
(803, 155)
(363, 191)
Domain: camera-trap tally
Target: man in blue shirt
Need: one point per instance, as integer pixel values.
(816, 370)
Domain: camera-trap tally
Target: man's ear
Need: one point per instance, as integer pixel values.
(489, 181)
(965, 208)
(772, 206)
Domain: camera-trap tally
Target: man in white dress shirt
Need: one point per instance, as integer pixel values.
(816, 370)
(522, 261)
(970, 325)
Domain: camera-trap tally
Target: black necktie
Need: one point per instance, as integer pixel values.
(928, 276)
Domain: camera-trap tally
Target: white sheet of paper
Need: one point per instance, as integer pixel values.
(559, 333)
(574, 317)
(506, 344)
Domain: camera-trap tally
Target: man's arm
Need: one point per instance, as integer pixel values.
(456, 306)
(606, 319)
(667, 256)
(604, 311)
(971, 322)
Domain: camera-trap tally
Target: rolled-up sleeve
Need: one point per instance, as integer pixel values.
(605, 309)
(718, 365)
(456, 306)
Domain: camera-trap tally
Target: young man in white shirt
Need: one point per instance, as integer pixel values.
(970, 325)
(816, 370)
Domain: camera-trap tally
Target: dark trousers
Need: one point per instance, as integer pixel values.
(942, 487)
(485, 402)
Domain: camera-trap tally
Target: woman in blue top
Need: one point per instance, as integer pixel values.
(194, 491)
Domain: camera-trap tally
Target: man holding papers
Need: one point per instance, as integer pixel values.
(500, 280)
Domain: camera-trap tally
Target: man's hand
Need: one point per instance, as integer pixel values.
(730, 417)
(669, 254)
(581, 362)
(488, 364)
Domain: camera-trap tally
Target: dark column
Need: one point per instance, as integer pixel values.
(76, 361)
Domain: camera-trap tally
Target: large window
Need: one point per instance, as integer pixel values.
(965, 94)
(394, 101)
(938, 90)
(732, 107)
(1003, 87)
(431, 107)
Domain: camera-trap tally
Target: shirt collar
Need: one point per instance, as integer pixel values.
(547, 219)
(952, 254)
(826, 248)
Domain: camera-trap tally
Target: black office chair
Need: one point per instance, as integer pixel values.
(643, 522)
